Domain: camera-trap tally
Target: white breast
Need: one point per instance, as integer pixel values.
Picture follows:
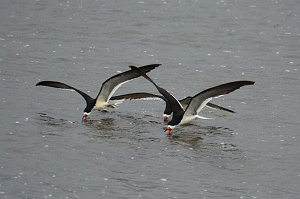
(100, 104)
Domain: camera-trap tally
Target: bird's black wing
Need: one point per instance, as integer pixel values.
(171, 101)
(55, 84)
(202, 98)
(211, 105)
(110, 86)
(185, 102)
(136, 96)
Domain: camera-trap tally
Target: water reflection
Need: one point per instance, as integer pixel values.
(191, 140)
(104, 124)
(51, 121)
(199, 137)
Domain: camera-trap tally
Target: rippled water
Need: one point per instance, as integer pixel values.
(46, 152)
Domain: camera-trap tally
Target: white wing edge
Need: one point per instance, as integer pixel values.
(176, 100)
(204, 118)
(120, 101)
(115, 89)
(116, 102)
(203, 105)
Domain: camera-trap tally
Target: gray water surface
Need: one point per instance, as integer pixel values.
(47, 152)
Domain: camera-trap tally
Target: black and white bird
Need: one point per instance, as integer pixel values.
(197, 102)
(108, 88)
(167, 112)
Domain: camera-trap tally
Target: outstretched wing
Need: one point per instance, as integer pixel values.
(110, 86)
(185, 102)
(115, 100)
(137, 96)
(201, 99)
(171, 101)
(214, 106)
(55, 84)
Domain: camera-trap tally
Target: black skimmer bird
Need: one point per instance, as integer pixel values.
(167, 112)
(108, 88)
(197, 102)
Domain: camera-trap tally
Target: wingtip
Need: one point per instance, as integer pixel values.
(43, 83)
(246, 82)
(154, 65)
(149, 65)
(250, 82)
(140, 72)
(38, 84)
(132, 67)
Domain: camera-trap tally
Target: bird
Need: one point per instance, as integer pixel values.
(183, 116)
(108, 88)
(167, 112)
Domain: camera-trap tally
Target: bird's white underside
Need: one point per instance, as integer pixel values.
(101, 103)
(115, 89)
(188, 118)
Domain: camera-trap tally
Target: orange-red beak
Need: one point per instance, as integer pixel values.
(84, 117)
(169, 130)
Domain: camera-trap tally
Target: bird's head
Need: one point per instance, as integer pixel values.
(169, 129)
(166, 118)
(89, 107)
(85, 116)
(86, 113)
